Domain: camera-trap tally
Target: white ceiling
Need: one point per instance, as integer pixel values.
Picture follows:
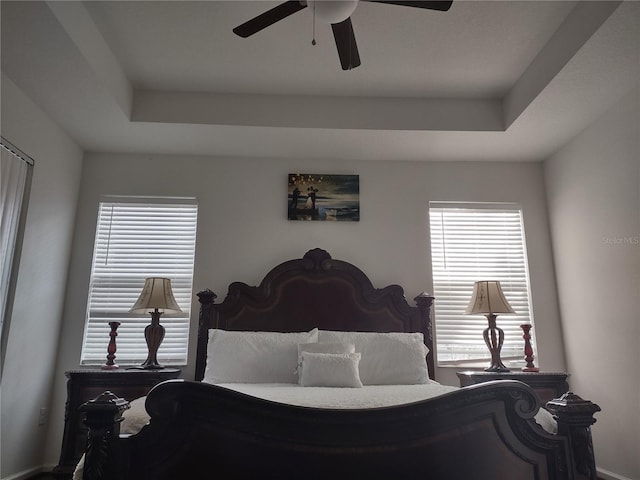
(487, 80)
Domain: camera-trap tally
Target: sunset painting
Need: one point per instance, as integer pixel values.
(323, 197)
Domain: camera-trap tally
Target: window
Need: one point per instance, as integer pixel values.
(15, 176)
(138, 238)
(472, 242)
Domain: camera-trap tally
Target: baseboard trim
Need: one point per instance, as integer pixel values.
(607, 475)
(23, 475)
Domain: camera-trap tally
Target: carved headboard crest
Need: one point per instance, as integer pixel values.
(319, 258)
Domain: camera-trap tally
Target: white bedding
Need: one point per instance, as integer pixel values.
(369, 396)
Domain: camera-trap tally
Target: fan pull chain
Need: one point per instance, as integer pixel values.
(313, 36)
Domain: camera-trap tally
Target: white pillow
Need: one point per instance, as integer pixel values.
(387, 358)
(330, 370)
(135, 417)
(254, 357)
(335, 347)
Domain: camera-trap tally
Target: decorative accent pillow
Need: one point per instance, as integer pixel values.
(334, 347)
(394, 358)
(254, 357)
(330, 370)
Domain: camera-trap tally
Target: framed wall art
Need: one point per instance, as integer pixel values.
(323, 197)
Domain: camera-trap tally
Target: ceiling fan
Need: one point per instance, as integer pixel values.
(338, 14)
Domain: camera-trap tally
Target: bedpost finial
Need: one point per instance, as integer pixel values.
(206, 296)
(424, 299)
(571, 408)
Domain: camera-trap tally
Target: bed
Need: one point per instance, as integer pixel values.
(237, 419)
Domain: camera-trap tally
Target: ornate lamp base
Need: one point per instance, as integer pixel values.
(494, 338)
(153, 334)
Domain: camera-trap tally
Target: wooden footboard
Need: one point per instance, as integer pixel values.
(485, 431)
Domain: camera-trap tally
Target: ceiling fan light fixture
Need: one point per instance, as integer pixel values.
(337, 13)
(332, 11)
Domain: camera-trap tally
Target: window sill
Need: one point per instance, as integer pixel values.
(125, 366)
(482, 364)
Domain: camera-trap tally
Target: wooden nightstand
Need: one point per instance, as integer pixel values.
(84, 385)
(548, 385)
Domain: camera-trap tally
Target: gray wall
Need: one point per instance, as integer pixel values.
(243, 230)
(32, 345)
(593, 187)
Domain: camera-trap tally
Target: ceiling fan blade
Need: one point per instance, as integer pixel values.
(346, 44)
(268, 18)
(442, 6)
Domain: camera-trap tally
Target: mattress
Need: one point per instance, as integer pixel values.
(369, 396)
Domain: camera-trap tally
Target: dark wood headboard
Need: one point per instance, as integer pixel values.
(314, 291)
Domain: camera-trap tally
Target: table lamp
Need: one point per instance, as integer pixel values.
(488, 300)
(156, 295)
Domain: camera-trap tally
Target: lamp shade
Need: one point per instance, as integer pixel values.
(156, 293)
(488, 298)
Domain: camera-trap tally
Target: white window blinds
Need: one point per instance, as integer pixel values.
(136, 239)
(15, 173)
(477, 242)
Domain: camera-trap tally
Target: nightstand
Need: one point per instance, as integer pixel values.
(548, 385)
(84, 385)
